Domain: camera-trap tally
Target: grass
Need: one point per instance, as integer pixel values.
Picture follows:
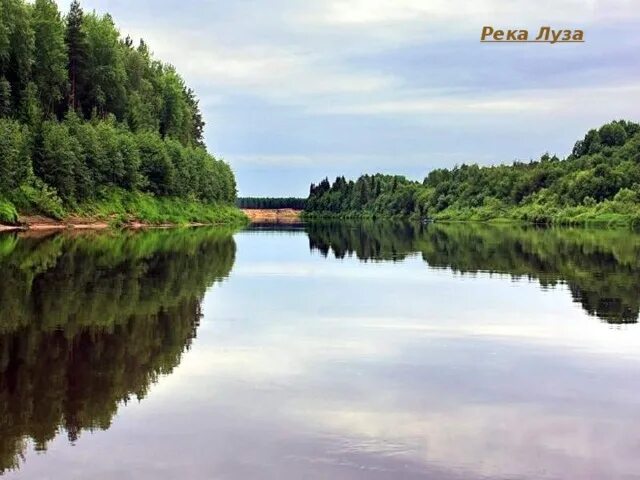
(119, 207)
(8, 212)
(609, 213)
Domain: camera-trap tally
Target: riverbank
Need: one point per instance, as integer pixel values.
(609, 213)
(275, 215)
(38, 223)
(126, 210)
(120, 209)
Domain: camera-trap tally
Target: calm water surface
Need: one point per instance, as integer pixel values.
(375, 351)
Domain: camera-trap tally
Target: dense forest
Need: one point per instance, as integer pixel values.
(88, 322)
(599, 181)
(90, 122)
(271, 202)
(599, 266)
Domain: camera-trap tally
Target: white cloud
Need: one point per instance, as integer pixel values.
(560, 101)
(468, 13)
(294, 66)
(300, 54)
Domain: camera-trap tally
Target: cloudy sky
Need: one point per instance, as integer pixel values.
(296, 90)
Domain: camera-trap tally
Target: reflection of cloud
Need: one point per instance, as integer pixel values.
(392, 391)
(486, 441)
(282, 352)
(552, 319)
(443, 376)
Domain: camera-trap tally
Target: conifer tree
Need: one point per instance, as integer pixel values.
(76, 41)
(49, 70)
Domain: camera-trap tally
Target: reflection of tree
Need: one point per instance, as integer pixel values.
(88, 322)
(600, 267)
(367, 240)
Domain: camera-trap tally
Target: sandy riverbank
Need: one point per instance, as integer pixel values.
(280, 215)
(40, 223)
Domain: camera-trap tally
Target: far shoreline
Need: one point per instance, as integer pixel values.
(42, 223)
(275, 215)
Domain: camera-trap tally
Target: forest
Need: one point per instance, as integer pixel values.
(598, 182)
(91, 123)
(271, 202)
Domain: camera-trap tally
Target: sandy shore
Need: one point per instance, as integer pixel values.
(281, 215)
(39, 223)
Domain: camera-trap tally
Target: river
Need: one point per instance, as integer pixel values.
(327, 350)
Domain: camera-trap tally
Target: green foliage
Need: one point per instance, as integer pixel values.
(50, 65)
(106, 76)
(5, 98)
(595, 184)
(155, 164)
(15, 155)
(75, 38)
(40, 199)
(369, 196)
(83, 111)
(18, 52)
(127, 206)
(57, 159)
(8, 212)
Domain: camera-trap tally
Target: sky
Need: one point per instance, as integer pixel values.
(293, 91)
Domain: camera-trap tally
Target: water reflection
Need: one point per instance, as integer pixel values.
(308, 367)
(600, 267)
(88, 322)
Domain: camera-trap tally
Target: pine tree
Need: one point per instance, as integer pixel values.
(19, 61)
(49, 70)
(197, 120)
(76, 40)
(4, 37)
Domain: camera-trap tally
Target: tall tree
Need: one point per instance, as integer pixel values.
(19, 61)
(49, 70)
(107, 74)
(76, 41)
(4, 37)
(197, 129)
(175, 116)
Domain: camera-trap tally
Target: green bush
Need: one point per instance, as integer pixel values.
(120, 206)
(8, 213)
(38, 198)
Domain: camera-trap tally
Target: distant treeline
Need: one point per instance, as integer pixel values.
(83, 110)
(599, 181)
(271, 202)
